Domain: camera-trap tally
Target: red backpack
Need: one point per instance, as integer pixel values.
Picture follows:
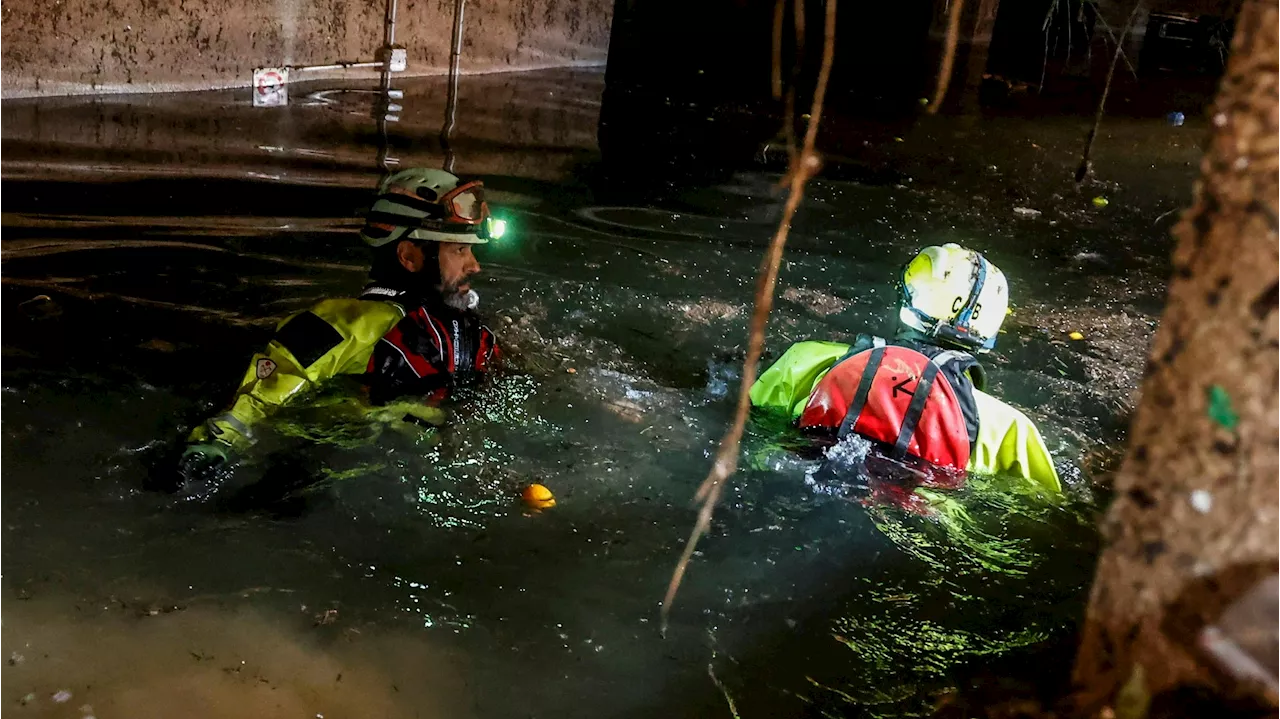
(916, 400)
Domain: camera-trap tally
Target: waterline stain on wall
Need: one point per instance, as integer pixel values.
(124, 46)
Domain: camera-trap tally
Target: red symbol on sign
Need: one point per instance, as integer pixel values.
(269, 81)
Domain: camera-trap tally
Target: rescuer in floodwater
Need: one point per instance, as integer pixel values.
(919, 397)
(413, 331)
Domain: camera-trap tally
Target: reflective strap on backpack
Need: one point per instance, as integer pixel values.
(915, 410)
(864, 389)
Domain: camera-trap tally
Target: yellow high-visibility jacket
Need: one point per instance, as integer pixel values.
(401, 348)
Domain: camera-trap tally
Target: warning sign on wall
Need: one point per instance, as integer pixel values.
(271, 87)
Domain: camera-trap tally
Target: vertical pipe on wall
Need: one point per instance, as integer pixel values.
(383, 109)
(390, 34)
(384, 86)
(451, 105)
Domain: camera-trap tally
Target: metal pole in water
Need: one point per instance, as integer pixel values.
(384, 96)
(381, 110)
(451, 104)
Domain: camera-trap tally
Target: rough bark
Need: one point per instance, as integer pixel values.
(1194, 522)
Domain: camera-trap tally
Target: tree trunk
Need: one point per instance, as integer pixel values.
(1193, 526)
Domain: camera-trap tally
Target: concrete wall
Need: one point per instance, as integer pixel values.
(54, 47)
(536, 125)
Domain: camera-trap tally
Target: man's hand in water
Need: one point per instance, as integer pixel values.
(413, 412)
(203, 469)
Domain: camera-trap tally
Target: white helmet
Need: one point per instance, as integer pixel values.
(426, 204)
(955, 295)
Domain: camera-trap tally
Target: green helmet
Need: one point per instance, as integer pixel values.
(424, 204)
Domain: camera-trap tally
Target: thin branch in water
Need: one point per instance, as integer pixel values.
(1066, 10)
(803, 167)
(778, 8)
(798, 18)
(789, 127)
(1086, 164)
(1044, 63)
(797, 65)
(948, 57)
(1088, 45)
(1164, 215)
(733, 708)
(1106, 26)
(711, 671)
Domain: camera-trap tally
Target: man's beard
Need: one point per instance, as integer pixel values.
(461, 301)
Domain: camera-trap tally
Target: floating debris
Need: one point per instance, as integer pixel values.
(40, 307)
(1026, 212)
(158, 345)
(706, 311)
(818, 302)
(538, 496)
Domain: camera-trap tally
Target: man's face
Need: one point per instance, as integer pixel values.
(457, 265)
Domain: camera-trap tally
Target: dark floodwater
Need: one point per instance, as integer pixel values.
(150, 244)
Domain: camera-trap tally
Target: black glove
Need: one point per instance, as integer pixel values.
(203, 469)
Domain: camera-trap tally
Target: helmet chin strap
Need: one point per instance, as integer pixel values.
(979, 278)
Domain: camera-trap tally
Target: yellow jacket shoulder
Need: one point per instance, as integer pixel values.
(335, 337)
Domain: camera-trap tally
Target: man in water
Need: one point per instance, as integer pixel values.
(919, 396)
(413, 331)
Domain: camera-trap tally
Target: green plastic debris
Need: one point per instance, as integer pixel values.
(1100, 201)
(1220, 409)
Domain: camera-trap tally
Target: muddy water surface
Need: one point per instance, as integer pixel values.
(150, 244)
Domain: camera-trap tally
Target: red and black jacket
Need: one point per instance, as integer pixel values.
(911, 398)
(430, 351)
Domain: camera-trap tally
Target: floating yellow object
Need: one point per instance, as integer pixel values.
(1100, 201)
(1076, 336)
(538, 497)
